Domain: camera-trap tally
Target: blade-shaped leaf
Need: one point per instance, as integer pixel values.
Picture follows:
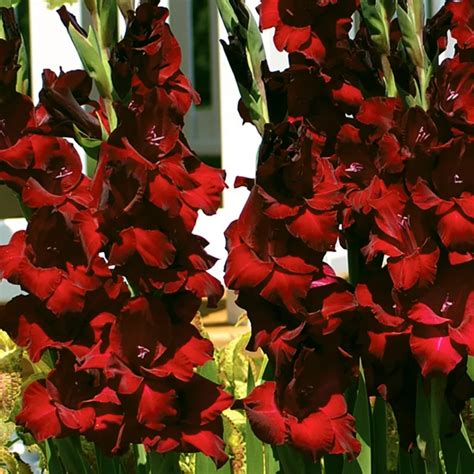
(379, 422)
(71, 455)
(108, 14)
(362, 415)
(91, 58)
(141, 461)
(167, 463)
(253, 446)
(292, 461)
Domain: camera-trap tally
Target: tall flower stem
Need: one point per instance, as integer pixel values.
(108, 102)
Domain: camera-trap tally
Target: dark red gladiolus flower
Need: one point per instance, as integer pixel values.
(37, 329)
(141, 204)
(455, 216)
(443, 320)
(312, 28)
(298, 187)
(274, 261)
(145, 342)
(197, 425)
(125, 370)
(61, 101)
(462, 22)
(402, 235)
(58, 406)
(453, 93)
(306, 414)
(149, 58)
(16, 113)
(385, 317)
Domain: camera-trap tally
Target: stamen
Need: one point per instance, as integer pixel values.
(63, 173)
(422, 135)
(142, 352)
(447, 304)
(355, 167)
(452, 95)
(153, 137)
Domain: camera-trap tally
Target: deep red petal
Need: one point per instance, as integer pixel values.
(266, 420)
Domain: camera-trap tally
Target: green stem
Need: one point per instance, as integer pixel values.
(52, 458)
(140, 459)
(110, 465)
(167, 463)
(108, 101)
(389, 78)
(424, 82)
(72, 456)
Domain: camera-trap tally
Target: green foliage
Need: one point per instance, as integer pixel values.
(362, 414)
(96, 66)
(245, 53)
(108, 11)
(427, 426)
(54, 4)
(379, 438)
(125, 6)
(377, 15)
(9, 3)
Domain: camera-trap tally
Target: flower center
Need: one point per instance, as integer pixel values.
(447, 304)
(63, 173)
(355, 167)
(422, 135)
(142, 352)
(407, 235)
(453, 95)
(153, 137)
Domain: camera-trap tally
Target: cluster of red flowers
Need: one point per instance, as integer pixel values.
(394, 181)
(302, 314)
(113, 274)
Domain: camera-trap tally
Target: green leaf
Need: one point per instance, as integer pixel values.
(141, 461)
(54, 4)
(379, 423)
(52, 458)
(210, 371)
(106, 463)
(125, 6)
(377, 19)
(205, 465)
(246, 37)
(22, 79)
(292, 461)
(333, 464)
(412, 36)
(108, 14)
(362, 415)
(228, 15)
(405, 464)
(90, 145)
(167, 463)
(254, 449)
(271, 462)
(9, 3)
(91, 58)
(71, 455)
(457, 449)
(427, 426)
(470, 367)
